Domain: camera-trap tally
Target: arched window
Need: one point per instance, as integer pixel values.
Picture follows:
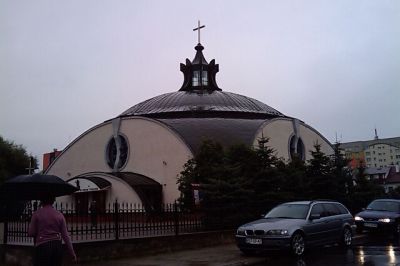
(200, 78)
(204, 78)
(112, 152)
(296, 148)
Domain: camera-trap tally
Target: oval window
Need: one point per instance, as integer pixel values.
(117, 160)
(297, 148)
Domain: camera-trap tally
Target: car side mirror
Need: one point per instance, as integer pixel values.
(315, 216)
(262, 215)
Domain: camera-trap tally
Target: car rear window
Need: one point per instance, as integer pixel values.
(342, 209)
(331, 209)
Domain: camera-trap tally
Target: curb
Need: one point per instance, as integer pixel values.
(246, 262)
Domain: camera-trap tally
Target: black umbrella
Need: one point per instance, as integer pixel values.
(36, 186)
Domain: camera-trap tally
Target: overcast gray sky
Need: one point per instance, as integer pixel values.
(66, 66)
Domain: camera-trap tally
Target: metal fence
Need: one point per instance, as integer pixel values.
(117, 221)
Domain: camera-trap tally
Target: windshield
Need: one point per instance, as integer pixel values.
(290, 211)
(384, 205)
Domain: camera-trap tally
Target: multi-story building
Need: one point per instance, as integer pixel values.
(48, 158)
(382, 155)
(376, 153)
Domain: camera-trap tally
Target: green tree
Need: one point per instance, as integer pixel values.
(343, 175)
(266, 155)
(241, 182)
(185, 180)
(14, 160)
(320, 174)
(365, 189)
(206, 165)
(226, 202)
(296, 185)
(267, 181)
(225, 192)
(240, 165)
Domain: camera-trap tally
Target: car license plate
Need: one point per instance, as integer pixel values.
(254, 241)
(371, 225)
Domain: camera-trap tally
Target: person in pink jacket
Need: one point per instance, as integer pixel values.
(48, 228)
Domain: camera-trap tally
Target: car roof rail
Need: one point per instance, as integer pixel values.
(388, 198)
(314, 200)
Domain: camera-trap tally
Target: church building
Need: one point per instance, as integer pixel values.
(137, 156)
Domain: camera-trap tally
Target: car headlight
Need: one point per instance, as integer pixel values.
(385, 220)
(358, 218)
(278, 232)
(240, 232)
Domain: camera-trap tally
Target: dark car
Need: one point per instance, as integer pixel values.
(380, 215)
(297, 226)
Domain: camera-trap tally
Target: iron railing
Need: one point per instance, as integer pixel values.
(121, 221)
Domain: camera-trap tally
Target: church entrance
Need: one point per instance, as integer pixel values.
(98, 201)
(86, 202)
(82, 203)
(92, 193)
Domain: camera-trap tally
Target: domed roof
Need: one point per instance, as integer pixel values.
(190, 103)
(200, 96)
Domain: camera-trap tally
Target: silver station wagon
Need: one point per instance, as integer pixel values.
(296, 226)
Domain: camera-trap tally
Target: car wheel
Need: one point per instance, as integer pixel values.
(359, 229)
(347, 237)
(397, 230)
(298, 244)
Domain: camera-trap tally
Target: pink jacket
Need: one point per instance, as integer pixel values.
(48, 224)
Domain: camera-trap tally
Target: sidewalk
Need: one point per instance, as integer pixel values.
(222, 255)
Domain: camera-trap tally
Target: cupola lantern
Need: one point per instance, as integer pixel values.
(199, 74)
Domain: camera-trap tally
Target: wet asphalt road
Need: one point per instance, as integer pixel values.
(368, 250)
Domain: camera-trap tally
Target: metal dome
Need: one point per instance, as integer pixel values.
(202, 103)
(200, 96)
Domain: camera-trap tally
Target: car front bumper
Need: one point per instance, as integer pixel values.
(376, 226)
(267, 243)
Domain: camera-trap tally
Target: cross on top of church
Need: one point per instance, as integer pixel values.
(31, 167)
(198, 29)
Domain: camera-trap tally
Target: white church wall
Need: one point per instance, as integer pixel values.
(84, 154)
(121, 191)
(280, 130)
(310, 137)
(156, 152)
